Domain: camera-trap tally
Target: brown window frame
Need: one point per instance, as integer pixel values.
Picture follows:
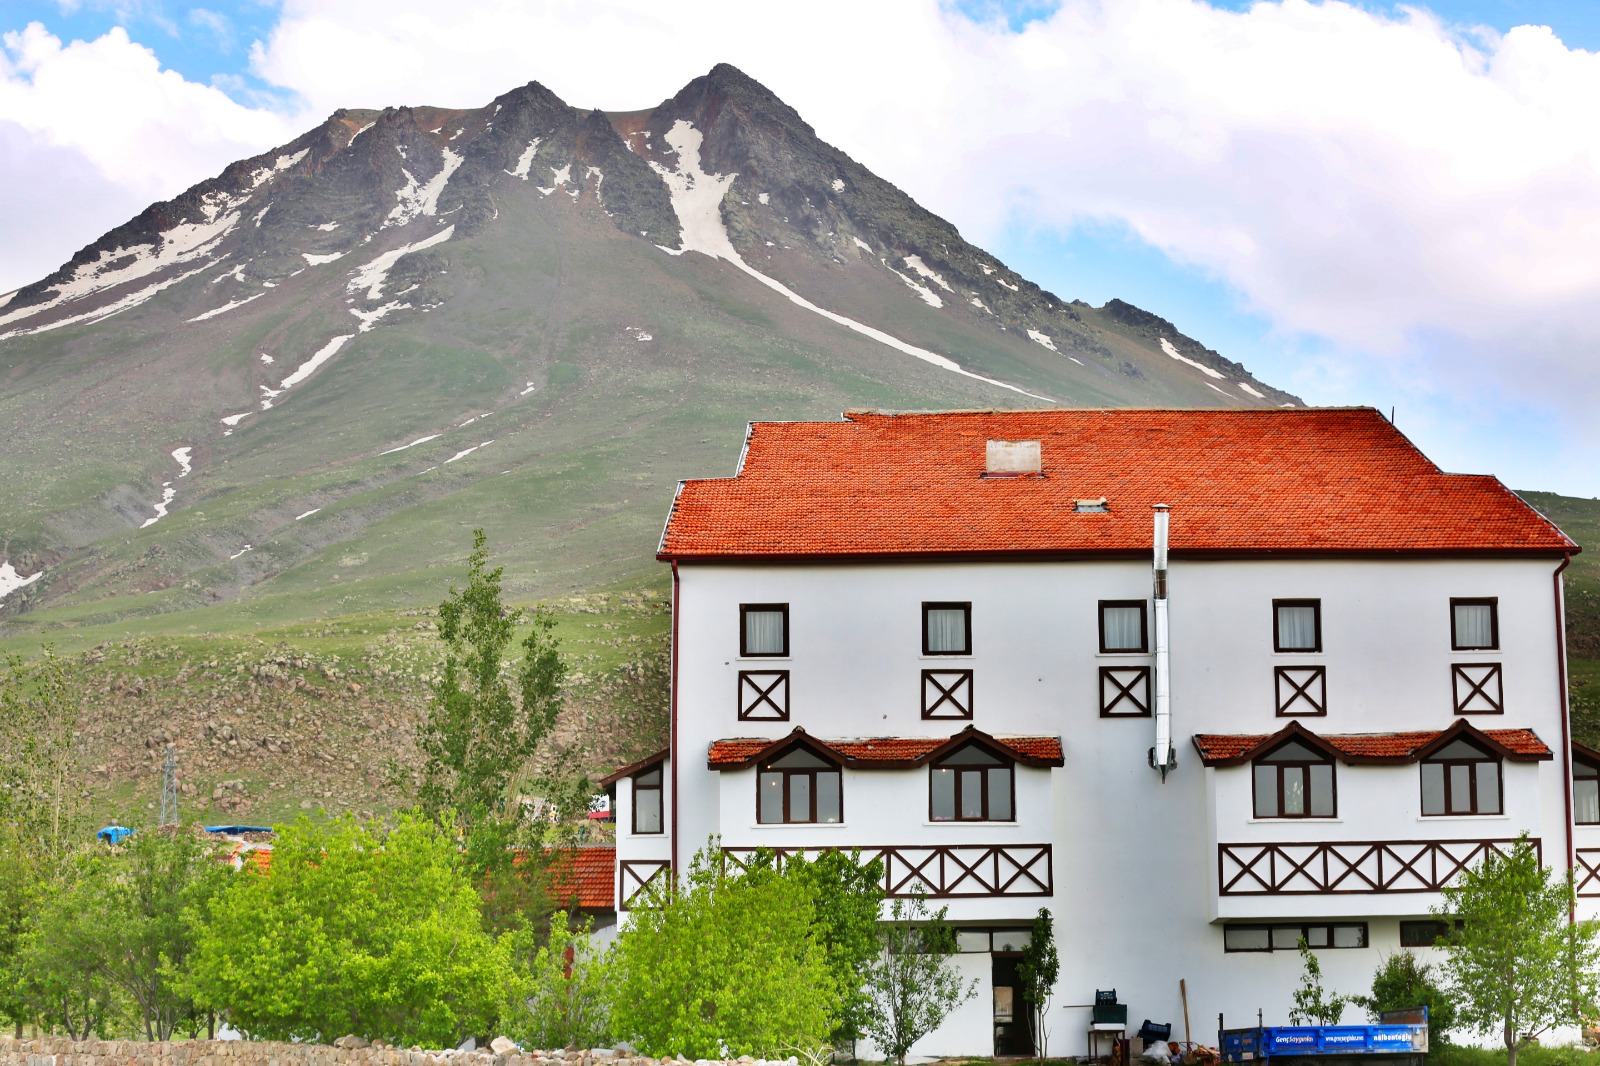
(1304, 930)
(761, 694)
(1424, 932)
(1472, 785)
(1141, 676)
(1491, 602)
(1494, 676)
(1277, 642)
(1144, 626)
(1298, 692)
(744, 648)
(661, 807)
(1595, 772)
(931, 712)
(798, 771)
(1009, 764)
(965, 606)
(1304, 765)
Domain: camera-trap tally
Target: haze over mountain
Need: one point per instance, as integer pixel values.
(293, 389)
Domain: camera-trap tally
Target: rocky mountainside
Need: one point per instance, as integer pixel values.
(291, 391)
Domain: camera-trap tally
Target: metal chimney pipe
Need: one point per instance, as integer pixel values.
(1162, 756)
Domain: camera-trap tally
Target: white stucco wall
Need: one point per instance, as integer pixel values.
(1135, 859)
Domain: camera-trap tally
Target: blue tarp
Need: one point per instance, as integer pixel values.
(235, 830)
(114, 834)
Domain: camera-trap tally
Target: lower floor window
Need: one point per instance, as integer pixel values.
(1423, 933)
(1287, 936)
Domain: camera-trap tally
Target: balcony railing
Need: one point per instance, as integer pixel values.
(1349, 867)
(946, 871)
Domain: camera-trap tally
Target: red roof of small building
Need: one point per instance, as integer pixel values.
(585, 873)
(883, 753)
(1311, 480)
(1228, 749)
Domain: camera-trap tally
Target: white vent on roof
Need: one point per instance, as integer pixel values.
(1008, 458)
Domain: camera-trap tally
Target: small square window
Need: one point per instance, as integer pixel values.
(763, 629)
(1474, 624)
(1296, 625)
(947, 629)
(1122, 626)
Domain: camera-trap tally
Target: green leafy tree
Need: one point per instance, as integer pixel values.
(1313, 1003)
(355, 930)
(1517, 964)
(1038, 969)
(61, 975)
(913, 987)
(1404, 981)
(729, 964)
(846, 895)
(560, 999)
(483, 725)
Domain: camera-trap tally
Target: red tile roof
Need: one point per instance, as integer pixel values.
(1228, 749)
(1336, 480)
(883, 753)
(585, 873)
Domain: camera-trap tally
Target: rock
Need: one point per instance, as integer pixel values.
(350, 1042)
(469, 1044)
(306, 805)
(503, 1045)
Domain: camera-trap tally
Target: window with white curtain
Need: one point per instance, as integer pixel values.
(1474, 625)
(1585, 793)
(947, 629)
(1122, 626)
(1297, 625)
(764, 629)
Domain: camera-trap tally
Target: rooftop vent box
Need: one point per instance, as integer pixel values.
(1012, 458)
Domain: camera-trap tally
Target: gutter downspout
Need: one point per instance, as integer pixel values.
(672, 716)
(1566, 720)
(1162, 757)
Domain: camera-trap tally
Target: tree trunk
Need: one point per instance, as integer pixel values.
(1511, 1043)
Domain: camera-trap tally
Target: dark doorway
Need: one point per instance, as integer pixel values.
(1012, 1033)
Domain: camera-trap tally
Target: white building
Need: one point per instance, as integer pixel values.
(932, 637)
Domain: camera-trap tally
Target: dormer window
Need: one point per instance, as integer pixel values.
(971, 784)
(798, 787)
(1460, 778)
(1294, 781)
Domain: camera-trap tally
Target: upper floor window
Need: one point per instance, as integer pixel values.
(1461, 778)
(1474, 624)
(970, 785)
(1122, 626)
(763, 629)
(1294, 781)
(647, 801)
(1585, 793)
(947, 629)
(798, 786)
(1296, 625)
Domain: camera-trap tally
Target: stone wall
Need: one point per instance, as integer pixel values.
(60, 1051)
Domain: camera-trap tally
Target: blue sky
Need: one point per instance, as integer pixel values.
(1180, 192)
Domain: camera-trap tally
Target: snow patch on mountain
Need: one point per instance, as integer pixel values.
(309, 367)
(370, 318)
(863, 245)
(308, 514)
(915, 263)
(468, 451)
(11, 581)
(133, 299)
(1007, 284)
(559, 177)
(358, 133)
(240, 552)
(422, 199)
(168, 492)
(372, 275)
(838, 184)
(327, 227)
(413, 444)
(234, 420)
(1252, 392)
(525, 160)
(763, 198)
(1040, 338)
(225, 308)
(929, 297)
(265, 358)
(697, 201)
(317, 260)
(262, 175)
(1167, 347)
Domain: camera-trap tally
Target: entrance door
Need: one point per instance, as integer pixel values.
(1012, 1033)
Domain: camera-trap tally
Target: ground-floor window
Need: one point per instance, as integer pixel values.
(1423, 933)
(971, 941)
(1286, 936)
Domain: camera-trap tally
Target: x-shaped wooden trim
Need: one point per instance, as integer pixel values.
(1589, 866)
(1302, 689)
(749, 710)
(633, 883)
(1431, 866)
(947, 693)
(1491, 673)
(941, 870)
(1141, 675)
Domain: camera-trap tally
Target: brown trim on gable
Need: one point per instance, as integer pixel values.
(1332, 746)
(633, 768)
(1464, 728)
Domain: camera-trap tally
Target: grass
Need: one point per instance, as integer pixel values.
(1456, 1055)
